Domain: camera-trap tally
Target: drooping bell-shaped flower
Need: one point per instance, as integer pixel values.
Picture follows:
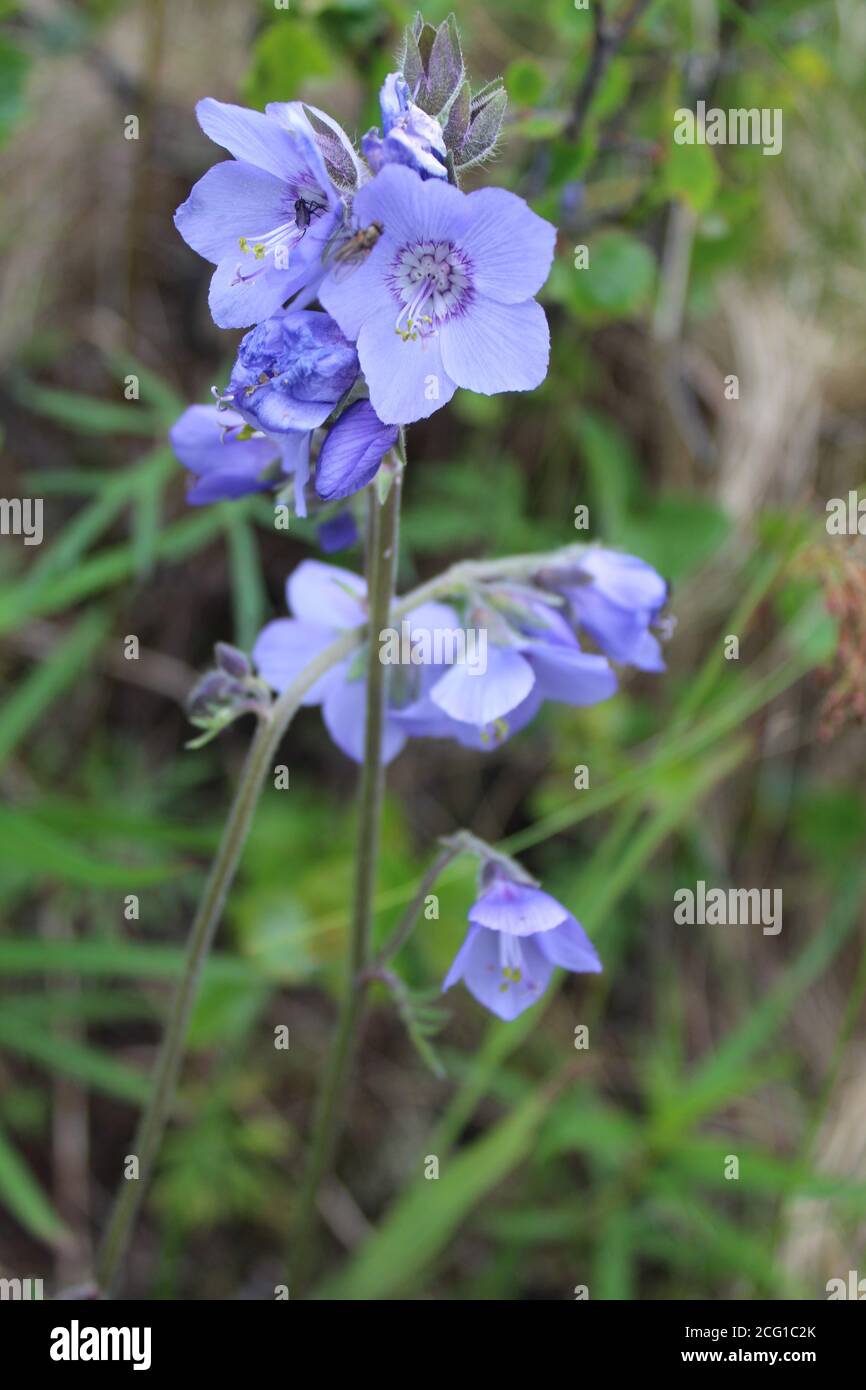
(517, 935)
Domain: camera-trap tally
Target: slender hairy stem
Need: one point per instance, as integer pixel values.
(153, 1120)
(382, 559)
(406, 925)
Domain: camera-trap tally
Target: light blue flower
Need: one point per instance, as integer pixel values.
(265, 218)
(445, 296)
(410, 136)
(517, 935)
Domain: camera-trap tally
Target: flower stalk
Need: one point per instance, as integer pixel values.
(381, 573)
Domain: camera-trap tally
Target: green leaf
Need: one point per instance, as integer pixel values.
(617, 282)
(286, 55)
(422, 1222)
(46, 681)
(690, 173)
(525, 82)
(24, 1199)
(34, 846)
(72, 1058)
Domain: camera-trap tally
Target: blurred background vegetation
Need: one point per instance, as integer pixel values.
(558, 1167)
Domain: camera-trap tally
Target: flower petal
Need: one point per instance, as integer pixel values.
(284, 647)
(511, 247)
(517, 908)
(480, 698)
(569, 946)
(411, 209)
(496, 347)
(459, 963)
(237, 301)
(485, 978)
(326, 595)
(345, 716)
(407, 380)
(569, 675)
(231, 200)
(204, 439)
(352, 451)
(352, 295)
(257, 139)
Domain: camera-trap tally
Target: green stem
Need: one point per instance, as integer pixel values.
(382, 558)
(406, 925)
(149, 1135)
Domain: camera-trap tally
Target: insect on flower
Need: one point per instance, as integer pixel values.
(355, 250)
(305, 212)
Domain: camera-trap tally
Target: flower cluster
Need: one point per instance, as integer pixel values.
(424, 288)
(531, 634)
(372, 288)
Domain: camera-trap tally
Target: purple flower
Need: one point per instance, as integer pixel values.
(264, 218)
(326, 600)
(352, 451)
(517, 934)
(445, 296)
(338, 533)
(411, 137)
(616, 598)
(530, 655)
(291, 371)
(229, 458)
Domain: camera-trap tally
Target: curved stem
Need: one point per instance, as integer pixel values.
(149, 1135)
(384, 536)
(406, 925)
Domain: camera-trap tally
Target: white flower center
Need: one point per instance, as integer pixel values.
(431, 282)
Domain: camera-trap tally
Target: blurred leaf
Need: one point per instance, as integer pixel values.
(249, 596)
(422, 1222)
(22, 1196)
(14, 70)
(617, 282)
(71, 1058)
(42, 685)
(288, 52)
(51, 856)
(677, 533)
(525, 82)
(690, 173)
(87, 414)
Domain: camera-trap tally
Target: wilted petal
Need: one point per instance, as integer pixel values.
(353, 451)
